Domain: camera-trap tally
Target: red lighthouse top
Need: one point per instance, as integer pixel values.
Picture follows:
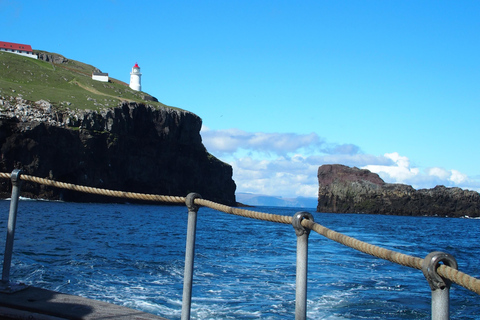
(136, 65)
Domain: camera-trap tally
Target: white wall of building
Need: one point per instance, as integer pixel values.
(22, 53)
(135, 82)
(101, 78)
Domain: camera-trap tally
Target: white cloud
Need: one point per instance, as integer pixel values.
(281, 164)
(281, 176)
(440, 173)
(233, 140)
(399, 172)
(402, 172)
(286, 164)
(457, 177)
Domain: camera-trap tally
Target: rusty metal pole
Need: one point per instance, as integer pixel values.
(189, 254)
(302, 264)
(12, 221)
(440, 286)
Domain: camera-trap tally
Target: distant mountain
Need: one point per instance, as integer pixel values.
(275, 201)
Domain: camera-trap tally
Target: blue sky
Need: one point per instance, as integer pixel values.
(286, 86)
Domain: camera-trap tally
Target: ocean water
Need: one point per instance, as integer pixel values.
(133, 255)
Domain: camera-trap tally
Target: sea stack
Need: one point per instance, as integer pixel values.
(344, 189)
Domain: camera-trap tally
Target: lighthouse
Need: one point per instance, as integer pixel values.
(135, 81)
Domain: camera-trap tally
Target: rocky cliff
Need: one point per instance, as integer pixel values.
(132, 147)
(351, 190)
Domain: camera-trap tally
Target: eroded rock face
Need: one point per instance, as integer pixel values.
(131, 148)
(344, 189)
(52, 57)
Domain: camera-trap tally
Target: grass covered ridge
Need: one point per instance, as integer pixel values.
(65, 85)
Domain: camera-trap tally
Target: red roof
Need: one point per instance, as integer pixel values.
(136, 65)
(15, 46)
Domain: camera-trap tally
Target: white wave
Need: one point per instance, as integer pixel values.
(32, 199)
(473, 218)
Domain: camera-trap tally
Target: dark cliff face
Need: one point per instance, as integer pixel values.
(351, 190)
(130, 148)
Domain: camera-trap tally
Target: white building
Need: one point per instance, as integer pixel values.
(135, 78)
(100, 76)
(17, 48)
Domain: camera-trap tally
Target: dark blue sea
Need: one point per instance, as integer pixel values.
(133, 255)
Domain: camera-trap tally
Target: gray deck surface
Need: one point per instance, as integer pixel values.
(42, 304)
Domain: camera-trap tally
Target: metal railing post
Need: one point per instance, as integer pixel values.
(302, 264)
(6, 286)
(189, 254)
(12, 221)
(440, 286)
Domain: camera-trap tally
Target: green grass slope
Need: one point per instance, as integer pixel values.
(64, 85)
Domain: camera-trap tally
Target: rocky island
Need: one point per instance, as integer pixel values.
(101, 135)
(344, 189)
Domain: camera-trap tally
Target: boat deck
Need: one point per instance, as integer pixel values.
(42, 304)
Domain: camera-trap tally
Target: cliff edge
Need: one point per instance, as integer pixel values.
(344, 189)
(133, 147)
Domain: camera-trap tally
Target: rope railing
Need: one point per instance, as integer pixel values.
(458, 277)
(445, 271)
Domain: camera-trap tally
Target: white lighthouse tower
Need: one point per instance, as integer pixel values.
(135, 81)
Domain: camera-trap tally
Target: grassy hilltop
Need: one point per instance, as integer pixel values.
(65, 85)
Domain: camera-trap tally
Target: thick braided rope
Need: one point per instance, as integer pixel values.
(104, 192)
(4, 175)
(376, 251)
(446, 272)
(245, 213)
(458, 277)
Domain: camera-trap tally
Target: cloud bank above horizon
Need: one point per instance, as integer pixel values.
(286, 164)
